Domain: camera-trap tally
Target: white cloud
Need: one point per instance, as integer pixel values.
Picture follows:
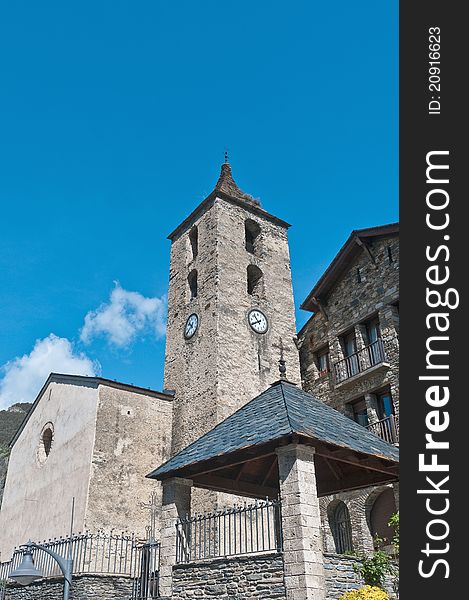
(126, 315)
(24, 376)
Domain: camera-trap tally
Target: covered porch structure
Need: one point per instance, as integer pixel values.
(283, 444)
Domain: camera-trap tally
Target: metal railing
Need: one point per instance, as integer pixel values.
(387, 429)
(359, 361)
(145, 585)
(248, 529)
(120, 555)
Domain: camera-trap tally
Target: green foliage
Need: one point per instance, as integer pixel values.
(373, 569)
(394, 523)
(10, 420)
(366, 593)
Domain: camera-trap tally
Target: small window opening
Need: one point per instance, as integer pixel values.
(194, 240)
(390, 256)
(359, 276)
(252, 236)
(254, 281)
(322, 361)
(47, 440)
(192, 280)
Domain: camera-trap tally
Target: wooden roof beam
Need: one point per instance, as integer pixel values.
(244, 488)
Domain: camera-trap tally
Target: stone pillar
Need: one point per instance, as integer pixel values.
(176, 503)
(361, 337)
(301, 522)
(335, 349)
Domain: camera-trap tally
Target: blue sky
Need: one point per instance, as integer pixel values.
(114, 117)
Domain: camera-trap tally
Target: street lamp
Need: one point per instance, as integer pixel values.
(26, 573)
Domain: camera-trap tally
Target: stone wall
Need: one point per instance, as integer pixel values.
(240, 578)
(244, 578)
(225, 354)
(84, 587)
(133, 436)
(106, 437)
(349, 304)
(341, 576)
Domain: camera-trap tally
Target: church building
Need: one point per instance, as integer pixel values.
(230, 311)
(231, 325)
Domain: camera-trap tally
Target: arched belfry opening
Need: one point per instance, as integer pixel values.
(194, 241)
(192, 280)
(255, 281)
(252, 233)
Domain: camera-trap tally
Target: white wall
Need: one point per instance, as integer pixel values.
(37, 498)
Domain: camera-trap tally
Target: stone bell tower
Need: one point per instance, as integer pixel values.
(230, 302)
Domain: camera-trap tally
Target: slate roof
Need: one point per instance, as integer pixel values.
(87, 381)
(280, 411)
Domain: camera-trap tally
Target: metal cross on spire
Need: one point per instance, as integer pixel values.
(227, 161)
(281, 363)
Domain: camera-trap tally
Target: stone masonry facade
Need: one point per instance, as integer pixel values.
(366, 291)
(238, 578)
(245, 578)
(225, 354)
(228, 257)
(84, 587)
(106, 437)
(341, 576)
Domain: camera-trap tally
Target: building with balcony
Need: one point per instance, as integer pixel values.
(349, 355)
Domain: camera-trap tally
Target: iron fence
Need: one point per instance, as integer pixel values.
(119, 555)
(145, 585)
(359, 361)
(248, 529)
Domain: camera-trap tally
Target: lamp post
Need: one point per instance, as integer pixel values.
(26, 572)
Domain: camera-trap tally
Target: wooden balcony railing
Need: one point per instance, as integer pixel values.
(387, 429)
(359, 361)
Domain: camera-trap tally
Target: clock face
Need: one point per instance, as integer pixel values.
(258, 320)
(191, 326)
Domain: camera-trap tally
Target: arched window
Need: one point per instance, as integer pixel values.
(194, 241)
(339, 521)
(47, 440)
(255, 281)
(382, 509)
(192, 280)
(252, 236)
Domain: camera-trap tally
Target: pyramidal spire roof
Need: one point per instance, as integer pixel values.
(227, 185)
(227, 189)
